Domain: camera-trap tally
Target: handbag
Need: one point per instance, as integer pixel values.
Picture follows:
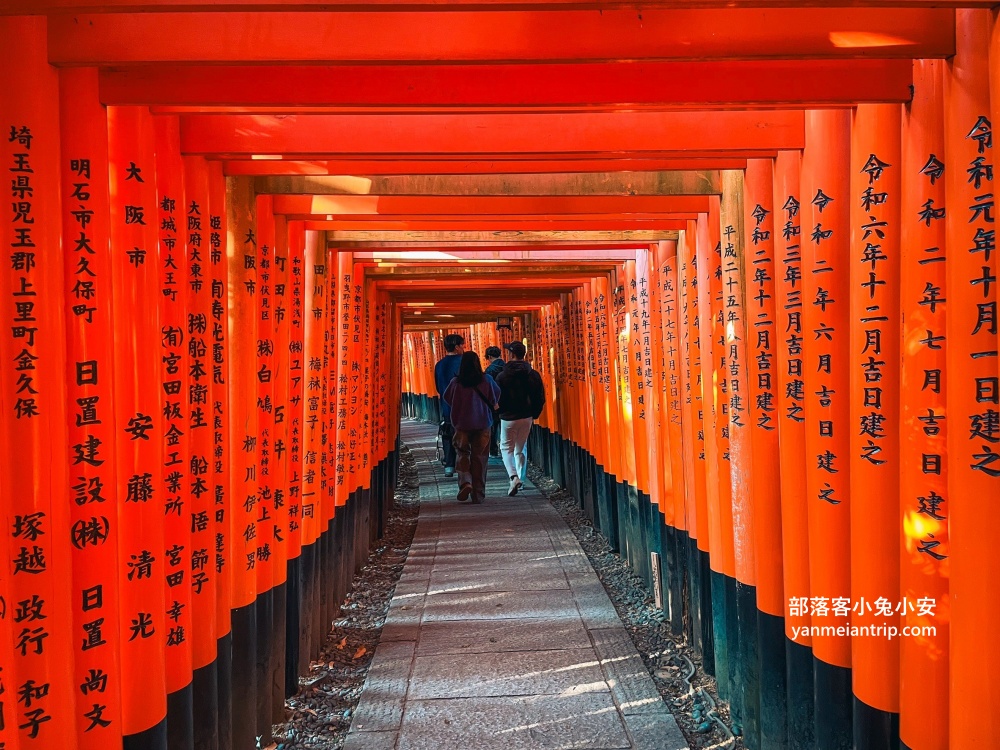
(444, 434)
(493, 407)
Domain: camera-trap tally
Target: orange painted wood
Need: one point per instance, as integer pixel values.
(674, 368)
(136, 5)
(313, 396)
(366, 353)
(174, 369)
(876, 161)
(434, 134)
(791, 393)
(384, 406)
(586, 84)
(764, 337)
(620, 351)
(196, 231)
(489, 224)
(222, 451)
(574, 418)
(826, 263)
(344, 357)
(138, 418)
(244, 436)
(591, 307)
(265, 397)
(720, 379)
(37, 458)
(388, 205)
(636, 282)
(733, 319)
(246, 166)
(296, 384)
(36, 455)
(281, 436)
(972, 391)
(86, 206)
(710, 417)
(923, 686)
(657, 427)
(330, 368)
(691, 433)
(604, 338)
(498, 36)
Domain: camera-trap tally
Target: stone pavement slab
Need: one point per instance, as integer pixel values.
(589, 721)
(482, 636)
(500, 636)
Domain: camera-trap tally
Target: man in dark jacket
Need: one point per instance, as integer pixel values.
(494, 367)
(522, 397)
(444, 371)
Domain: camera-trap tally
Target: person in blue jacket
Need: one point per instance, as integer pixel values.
(444, 371)
(494, 366)
(473, 400)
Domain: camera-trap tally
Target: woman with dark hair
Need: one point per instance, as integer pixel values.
(473, 399)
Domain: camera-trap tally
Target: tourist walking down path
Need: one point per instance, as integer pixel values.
(444, 371)
(472, 400)
(522, 397)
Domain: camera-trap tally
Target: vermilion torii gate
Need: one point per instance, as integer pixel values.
(236, 231)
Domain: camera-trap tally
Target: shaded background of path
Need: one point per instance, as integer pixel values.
(500, 635)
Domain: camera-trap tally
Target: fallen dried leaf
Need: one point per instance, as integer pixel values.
(360, 652)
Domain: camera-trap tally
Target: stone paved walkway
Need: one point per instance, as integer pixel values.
(501, 637)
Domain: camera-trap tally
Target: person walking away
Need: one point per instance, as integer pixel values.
(472, 397)
(494, 365)
(522, 397)
(444, 371)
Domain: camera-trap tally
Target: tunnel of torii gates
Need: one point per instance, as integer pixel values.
(750, 249)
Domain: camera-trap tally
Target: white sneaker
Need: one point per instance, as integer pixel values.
(515, 485)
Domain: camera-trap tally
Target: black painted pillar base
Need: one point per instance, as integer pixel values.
(224, 678)
(801, 696)
(625, 520)
(293, 625)
(874, 729)
(720, 632)
(637, 532)
(324, 586)
(654, 538)
(278, 636)
(834, 706)
(205, 699)
(265, 634)
(748, 666)
(180, 719)
(244, 677)
(675, 544)
(154, 738)
(773, 682)
(307, 583)
(707, 614)
(733, 651)
(693, 600)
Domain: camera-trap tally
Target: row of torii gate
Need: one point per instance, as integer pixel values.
(222, 216)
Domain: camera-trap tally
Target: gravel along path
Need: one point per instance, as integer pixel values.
(689, 693)
(319, 715)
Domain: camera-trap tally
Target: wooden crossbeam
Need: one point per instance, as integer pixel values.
(576, 133)
(790, 83)
(505, 35)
